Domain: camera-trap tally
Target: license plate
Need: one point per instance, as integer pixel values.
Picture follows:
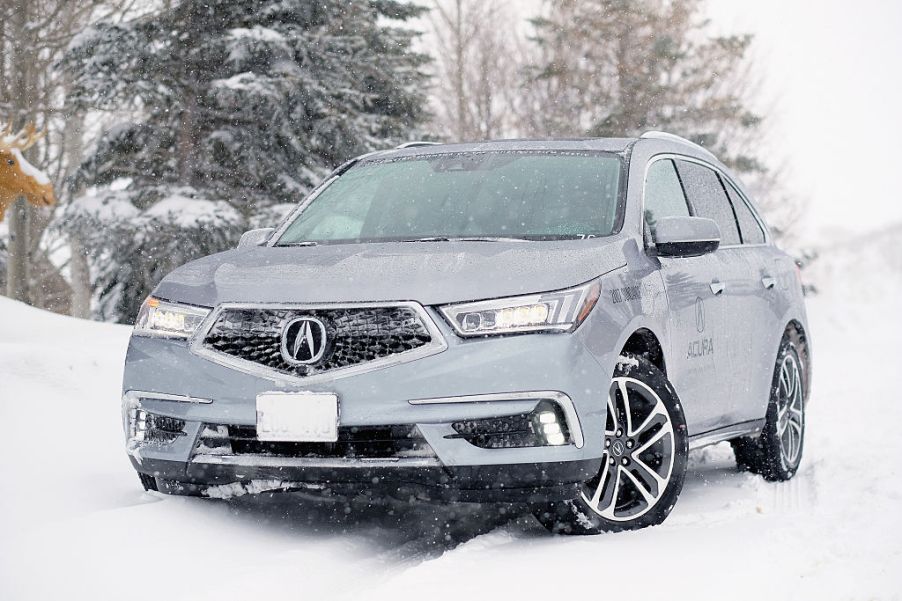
(297, 416)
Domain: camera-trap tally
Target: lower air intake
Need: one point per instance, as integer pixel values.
(370, 442)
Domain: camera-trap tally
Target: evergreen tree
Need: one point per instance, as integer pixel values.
(240, 107)
(623, 67)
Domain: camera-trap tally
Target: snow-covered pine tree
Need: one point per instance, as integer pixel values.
(238, 108)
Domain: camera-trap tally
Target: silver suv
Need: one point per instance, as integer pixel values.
(554, 323)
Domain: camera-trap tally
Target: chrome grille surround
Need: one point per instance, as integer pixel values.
(366, 336)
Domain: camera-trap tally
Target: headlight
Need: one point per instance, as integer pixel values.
(161, 318)
(560, 311)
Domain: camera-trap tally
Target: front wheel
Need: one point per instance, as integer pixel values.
(644, 460)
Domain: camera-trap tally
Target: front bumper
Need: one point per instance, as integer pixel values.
(470, 379)
(519, 483)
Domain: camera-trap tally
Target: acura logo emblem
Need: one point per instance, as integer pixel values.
(303, 340)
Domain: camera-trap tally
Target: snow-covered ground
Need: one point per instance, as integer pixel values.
(74, 522)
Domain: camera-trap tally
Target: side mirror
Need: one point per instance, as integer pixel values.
(686, 236)
(255, 237)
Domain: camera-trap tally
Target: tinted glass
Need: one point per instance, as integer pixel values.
(748, 226)
(531, 195)
(663, 194)
(708, 198)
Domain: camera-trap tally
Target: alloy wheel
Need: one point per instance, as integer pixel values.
(639, 451)
(790, 410)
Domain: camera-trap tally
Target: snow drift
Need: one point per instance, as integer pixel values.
(76, 524)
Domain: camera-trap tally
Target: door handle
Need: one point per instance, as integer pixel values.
(768, 282)
(717, 287)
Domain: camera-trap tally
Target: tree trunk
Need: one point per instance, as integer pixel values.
(80, 273)
(17, 265)
(23, 102)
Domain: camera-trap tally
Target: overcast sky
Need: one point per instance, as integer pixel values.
(832, 70)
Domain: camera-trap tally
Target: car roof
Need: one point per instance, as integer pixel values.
(656, 142)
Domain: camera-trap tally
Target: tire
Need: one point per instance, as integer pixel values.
(777, 452)
(645, 465)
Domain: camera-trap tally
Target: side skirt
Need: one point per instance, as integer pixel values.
(749, 428)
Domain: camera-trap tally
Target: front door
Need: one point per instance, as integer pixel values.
(697, 309)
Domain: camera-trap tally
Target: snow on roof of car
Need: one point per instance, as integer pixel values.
(597, 144)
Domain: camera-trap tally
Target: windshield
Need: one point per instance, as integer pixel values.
(477, 195)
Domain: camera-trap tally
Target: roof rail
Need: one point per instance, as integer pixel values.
(416, 143)
(663, 135)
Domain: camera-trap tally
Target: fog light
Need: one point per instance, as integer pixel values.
(550, 429)
(544, 426)
(150, 427)
(548, 417)
(555, 439)
(550, 424)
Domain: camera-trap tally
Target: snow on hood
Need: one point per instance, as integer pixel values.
(430, 272)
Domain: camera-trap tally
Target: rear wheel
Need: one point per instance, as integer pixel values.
(644, 460)
(777, 452)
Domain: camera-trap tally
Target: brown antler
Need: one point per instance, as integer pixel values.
(23, 139)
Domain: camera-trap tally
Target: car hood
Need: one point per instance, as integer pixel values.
(431, 273)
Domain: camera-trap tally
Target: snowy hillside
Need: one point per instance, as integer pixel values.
(74, 522)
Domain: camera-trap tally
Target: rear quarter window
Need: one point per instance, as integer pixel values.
(749, 228)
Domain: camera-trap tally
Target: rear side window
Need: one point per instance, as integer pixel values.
(748, 226)
(663, 194)
(707, 197)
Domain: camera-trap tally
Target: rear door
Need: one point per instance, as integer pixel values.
(695, 310)
(767, 307)
(735, 282)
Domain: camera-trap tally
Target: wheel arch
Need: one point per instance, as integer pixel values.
(646, 343)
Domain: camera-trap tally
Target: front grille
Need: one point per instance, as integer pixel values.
(370, 442)
(354, 336)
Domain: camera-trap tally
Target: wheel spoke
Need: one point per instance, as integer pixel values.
(626, 405)
(784, 380)
(612, 412)
(791, 377)
(605, 470)
(782, 424)
(649, 497)
(665, 429)
(649, 477)
(657, 411)
(608, 504)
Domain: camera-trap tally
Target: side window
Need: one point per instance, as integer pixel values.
(663, 193)
(748, 226)
(709, 200)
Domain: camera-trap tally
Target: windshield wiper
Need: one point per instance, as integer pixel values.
(466, 239)
(304, 243)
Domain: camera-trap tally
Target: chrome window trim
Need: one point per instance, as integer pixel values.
(314, 462)
(680, 157)
(435, 346)
(562, 400)
(144, 395)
